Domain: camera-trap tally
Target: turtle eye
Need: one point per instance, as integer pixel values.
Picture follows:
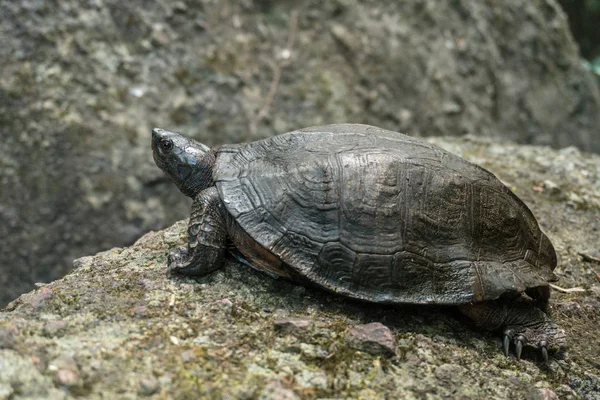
(166, 144)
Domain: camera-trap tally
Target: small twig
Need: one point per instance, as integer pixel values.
(590, 256)
(567, 290)
(264, 111)
(277, 69)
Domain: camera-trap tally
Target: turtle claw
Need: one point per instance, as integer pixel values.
(519, 349)
(544, 348)
(520, 342)
(506, 344)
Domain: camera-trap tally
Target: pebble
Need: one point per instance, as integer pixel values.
(448, 372)
(68, 378)
(312, 351)
(274, 390)
(547, 394)
(54, 328)
(7, 337)
(565, 392)
(139, 311)
(292, 325)
(374, 338)
(188, 356)
(225, 303)
(148, 386)
(39, 299)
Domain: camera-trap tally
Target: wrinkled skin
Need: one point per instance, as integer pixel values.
(518, 314)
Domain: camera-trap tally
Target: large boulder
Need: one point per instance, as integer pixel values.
(83, 83)
(119, 327)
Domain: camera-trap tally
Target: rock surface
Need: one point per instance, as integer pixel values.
(119, 327)
(82, 84)
(374, 338)
(293, 325)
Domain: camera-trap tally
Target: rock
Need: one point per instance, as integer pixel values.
(148, 386)
(547, 394)
(565, 392)
(5, 391)
(274, 390)
(447, 372)
(54, 328)
(293, 325)
(35, 301)
(311, 351)
(64, 361)
(551, 186)
(591, 255)
(188, 356)
(68, 378)
(8, 337)
(226, 303)
(587, 386)
(140, 311)
(82, 86)
(374, 338)
(19, 374)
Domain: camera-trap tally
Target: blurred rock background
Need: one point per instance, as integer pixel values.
(584, 20)
(83, 82)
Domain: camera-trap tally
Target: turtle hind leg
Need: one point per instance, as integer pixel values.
(521, 323)
(207, 237)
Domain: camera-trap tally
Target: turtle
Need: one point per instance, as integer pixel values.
(369, 214)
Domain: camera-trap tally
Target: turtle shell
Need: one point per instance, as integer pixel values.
(384, 217)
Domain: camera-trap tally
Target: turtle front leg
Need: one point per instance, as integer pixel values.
(520, 321)
(207, 237)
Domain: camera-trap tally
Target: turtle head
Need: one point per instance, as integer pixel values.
(187, 162)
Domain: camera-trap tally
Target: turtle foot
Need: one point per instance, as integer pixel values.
(520, 341)
(522, 323)
(178, 260)
(198, 261)
(539, 333)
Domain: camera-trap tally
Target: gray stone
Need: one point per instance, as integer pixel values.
(37, 300)
(54, 328)
(547, 394)
(8, 337)
(274, 390)
(293, 325)
(148, 386)
(374, 338)
(587, 386)
(68, 378)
